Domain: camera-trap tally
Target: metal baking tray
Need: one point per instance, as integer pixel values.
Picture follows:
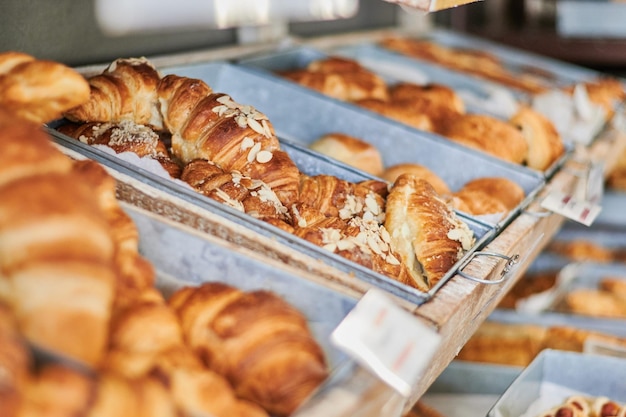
(155, 184)
(480, 96)
(469, 389)
(557, 73)
(555, 375)
(301, 116)
(182, 256)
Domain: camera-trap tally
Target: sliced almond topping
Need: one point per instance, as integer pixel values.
(254, 151)
(330, 246)
(256, 126)
(247, 143)
(264, 157)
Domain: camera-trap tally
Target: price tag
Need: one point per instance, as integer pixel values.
(600, 347)
(595, 182)
(579, 210)
(388, 340)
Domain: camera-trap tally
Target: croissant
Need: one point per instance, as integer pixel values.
(335, 197)
(126, 90)
(364, 242)
(425, 230)
(397, 111)
(126, 136)
(439, 102)
(235, 190)
(234, 136)
(15, 363)
(350, 150)
(393, 172)
(57, 263)
(260, 343)
(39, 90)
(487, 134)
(342, 78)
(488, 195)
(134, 273)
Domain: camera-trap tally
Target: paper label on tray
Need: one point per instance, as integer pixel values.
(595, 182)
(600, 347)
(567, 205)
(381, 336)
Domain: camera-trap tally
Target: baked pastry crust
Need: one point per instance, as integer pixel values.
(487, 134)
(342, 78)
(398, 112)
(393, 172)
(350, 150)
(424, 230)
(39, 90)
(488, 195)
(260, 343)
(545, 145)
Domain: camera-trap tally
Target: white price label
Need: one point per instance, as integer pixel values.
(388, 340)
(582, 211)
(595, 182)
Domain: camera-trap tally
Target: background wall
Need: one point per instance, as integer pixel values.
(66, 31)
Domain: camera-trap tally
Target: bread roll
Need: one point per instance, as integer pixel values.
(488, 195)
(351, 151)
(545, 145)
(398, 112)
(487, 134)
(342, 78)
(393, 172)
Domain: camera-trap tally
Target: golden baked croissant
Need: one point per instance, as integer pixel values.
(15, 364)
(126, 90)
(134, 274)
(350, 150)
(234, 136)
(335, 197)
(425, 230)
(488, 134)
(38, 90)
(366, 243)
(242, 193)
(125, 136)
(439, 102)
(397, 111)
(393, 172)
(260, 343)
(342, 78)
(488, 195)
(56, 250)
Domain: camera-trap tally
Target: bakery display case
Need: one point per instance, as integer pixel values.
(227, 182)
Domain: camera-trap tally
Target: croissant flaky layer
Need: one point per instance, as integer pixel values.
(260, 343)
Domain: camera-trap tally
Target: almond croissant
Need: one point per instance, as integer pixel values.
(126, 90)
(242, 193)
(260, 343)
(425, 230)
(234, 136)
